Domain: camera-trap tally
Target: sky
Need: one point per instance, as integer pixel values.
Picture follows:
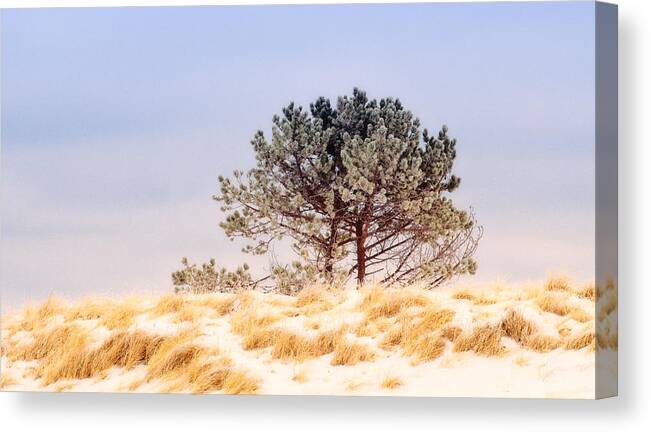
(116, 123)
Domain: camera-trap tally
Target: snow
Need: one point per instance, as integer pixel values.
(520, 373)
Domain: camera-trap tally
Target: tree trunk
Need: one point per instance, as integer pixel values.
(329, 253)
(361, 231)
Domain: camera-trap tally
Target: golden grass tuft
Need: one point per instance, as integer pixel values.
(327, 342)
(464, 296)
(190, 313)
(36, 317)
(208, 377)
(553, 304)
(71, 360)
(258, 339)
(246, 322)
(120, 316)
(60, 351)
(393, 337)
(588, 292)
(383, 303)
(485, 340)
(542, 343)
(238, 382)
(221, 304)
(514, 325)
(86, 310)
(287, 345)
(558, 283)
(390, 382)
(110, 313)
(169, 304)
(351, 354)
(169, 360)
(203, 376)
(418, 337)
(579, 342)
(290, 346)
(484, 300)
(451, 333)
(312, 296)
(124, 349)
(433, 319)
(425, 348)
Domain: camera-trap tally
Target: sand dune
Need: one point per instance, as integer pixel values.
(498, 341)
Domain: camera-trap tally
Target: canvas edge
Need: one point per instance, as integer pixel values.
(606, 197)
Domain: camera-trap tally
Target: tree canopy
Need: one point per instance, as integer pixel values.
(361, 190)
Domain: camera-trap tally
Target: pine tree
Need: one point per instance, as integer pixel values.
(359, 188)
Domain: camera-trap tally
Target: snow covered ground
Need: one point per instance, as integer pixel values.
(497, 341)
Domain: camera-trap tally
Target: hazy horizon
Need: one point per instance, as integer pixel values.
(116, 123)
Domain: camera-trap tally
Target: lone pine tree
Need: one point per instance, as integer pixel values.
(360, 189)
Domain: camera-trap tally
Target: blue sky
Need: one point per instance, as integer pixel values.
(117, 122)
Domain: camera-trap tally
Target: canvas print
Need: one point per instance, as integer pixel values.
(388, 200)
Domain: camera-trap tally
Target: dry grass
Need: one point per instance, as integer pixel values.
(542, 343)
(579, 342)
(110, 313)
(351, 353)
(35, 318)
(60, 352)
(553, 304)
(409, 321)
(220, 304)
(120, 316)
(433, 319)
(259, 339)
(371, 328)
(425, 348)
(203, 376)
(124, 349)
(451, 333)
(390, 382)
(313, 296)
(63, 353)
(558, 283)
(290, 346)
(485, 340)
(514, 325)
(169, 304)
(588, 292)
(46, 341)
(171, 358)
(238, 382)
(464, 296)
(315, 300)
(247, 321)
(484, 300)
(384, 303)
(418, 337)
